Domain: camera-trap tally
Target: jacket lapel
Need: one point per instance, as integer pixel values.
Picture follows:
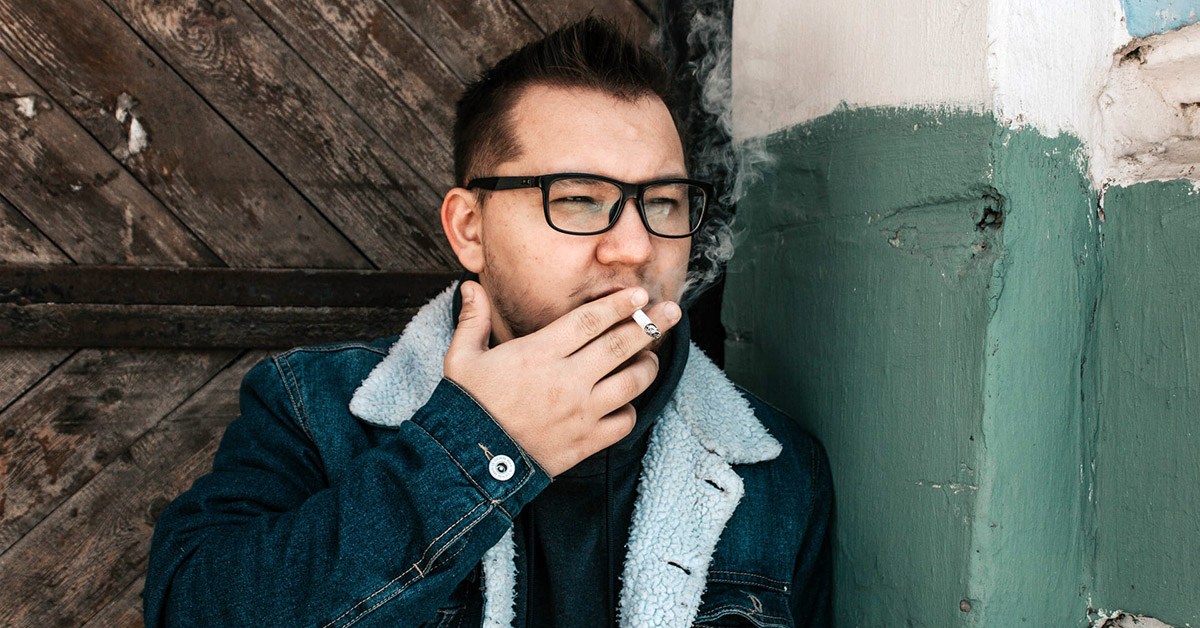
(686, 493)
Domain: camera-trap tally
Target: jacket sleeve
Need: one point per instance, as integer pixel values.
(812, 583)
(266, 539)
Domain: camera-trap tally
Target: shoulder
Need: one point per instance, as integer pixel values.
(332, 364)
(803, 462)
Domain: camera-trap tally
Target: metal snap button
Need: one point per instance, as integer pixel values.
(501, 467)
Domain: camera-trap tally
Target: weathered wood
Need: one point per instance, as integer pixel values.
(75, 191)
(70, 425)
(469, 35)
(551, 14)
(59, 283)
(124, 611)
(86, 59)
(20, 369)
(21, 242)
(234, 59)
(95, 545)
(187, 326)
(383, 71)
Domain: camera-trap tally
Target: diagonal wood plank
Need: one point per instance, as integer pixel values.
(20, 369)
(124, 611)
(86, 58)
(234, 59)
(95, 545)
(76, 192)
(552, 14)
(382, 70)
(469, 35)
(69, 426)
(21, 242)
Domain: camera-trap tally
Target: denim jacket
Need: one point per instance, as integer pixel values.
(360, 486)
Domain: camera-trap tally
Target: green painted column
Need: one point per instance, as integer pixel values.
(916, 287)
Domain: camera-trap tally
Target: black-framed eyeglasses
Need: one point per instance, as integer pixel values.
(588, 204)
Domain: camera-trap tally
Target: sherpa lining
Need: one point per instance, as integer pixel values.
(686, 493)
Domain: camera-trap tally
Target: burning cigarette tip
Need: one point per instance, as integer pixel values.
(648, 325)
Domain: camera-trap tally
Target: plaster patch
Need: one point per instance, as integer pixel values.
(1149, 113)
(26, 106)
(796, 61)
(1048, 60)
(1121, 619)
(138, 140)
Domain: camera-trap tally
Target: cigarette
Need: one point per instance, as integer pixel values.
(648, 325)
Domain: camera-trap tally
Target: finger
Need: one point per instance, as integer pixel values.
(612, 348)
(474, 324)
(625, 384)
(576, 328)
(613, 426)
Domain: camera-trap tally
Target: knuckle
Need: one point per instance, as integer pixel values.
(589, 322)
(618, 345)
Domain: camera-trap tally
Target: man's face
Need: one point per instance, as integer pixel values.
(535, 274)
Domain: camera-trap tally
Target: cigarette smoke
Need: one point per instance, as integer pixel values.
(703, 58)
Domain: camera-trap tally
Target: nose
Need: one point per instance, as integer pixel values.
(627, 242)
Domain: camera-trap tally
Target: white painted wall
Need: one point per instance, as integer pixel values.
(1052, 65)
(795, 60)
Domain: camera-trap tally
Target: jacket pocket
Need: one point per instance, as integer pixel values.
(727, 604)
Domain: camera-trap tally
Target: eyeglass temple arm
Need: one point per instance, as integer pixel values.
(503, 183)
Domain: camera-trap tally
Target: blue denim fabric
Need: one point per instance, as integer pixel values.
(311, 517)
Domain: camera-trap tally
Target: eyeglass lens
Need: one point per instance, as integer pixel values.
(583, 205)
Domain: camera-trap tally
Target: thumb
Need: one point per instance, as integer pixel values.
(474, 321)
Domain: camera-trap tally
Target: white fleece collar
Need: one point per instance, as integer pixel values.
(686, 493)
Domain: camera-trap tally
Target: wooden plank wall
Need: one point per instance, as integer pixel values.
(247, 134)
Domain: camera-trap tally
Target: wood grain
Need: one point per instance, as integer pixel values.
(24, 284)
(22, 242)
(124, 611)
(85, 58)
(94, 546)
(76, 192)
(70, 425)
(552, 14)
(468, 35)
(382, 69)
(187, 326)
(277, 102)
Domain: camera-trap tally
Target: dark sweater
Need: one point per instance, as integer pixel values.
(571, 538)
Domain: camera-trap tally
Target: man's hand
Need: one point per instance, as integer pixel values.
(563, 392)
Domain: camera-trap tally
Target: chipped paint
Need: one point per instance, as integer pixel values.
(138, 140)
(26, 106)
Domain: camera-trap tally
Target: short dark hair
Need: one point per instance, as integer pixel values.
(592, 53)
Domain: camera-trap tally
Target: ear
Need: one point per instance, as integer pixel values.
(462, 219)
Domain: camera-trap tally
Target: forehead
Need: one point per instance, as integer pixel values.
(580, 130)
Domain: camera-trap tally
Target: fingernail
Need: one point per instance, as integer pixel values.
(639, 297)
(468, 293)
(672, 312)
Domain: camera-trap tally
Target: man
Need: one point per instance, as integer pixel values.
(524, 454)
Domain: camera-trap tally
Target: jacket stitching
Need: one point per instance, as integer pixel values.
(749, 613)
(341, 346)
(482, 491)
(750, 575)
(520, 449)
(300, 398)
(301, 417)
(404, 573)
(406, 585)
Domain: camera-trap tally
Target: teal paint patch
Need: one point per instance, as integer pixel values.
(915, 287)
(1148, 479)
(1148, 17)
(1030, 563)
(857, 301)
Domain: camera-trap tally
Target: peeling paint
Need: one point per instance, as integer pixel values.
(1121, 619)
(26, 106)
(138, 140)
(1149, 111)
